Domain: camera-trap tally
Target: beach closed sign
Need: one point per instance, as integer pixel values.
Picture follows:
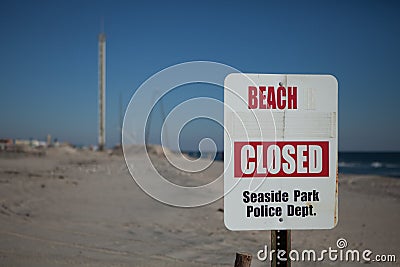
(280, 151)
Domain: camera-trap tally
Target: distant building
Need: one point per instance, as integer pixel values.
(5, 144)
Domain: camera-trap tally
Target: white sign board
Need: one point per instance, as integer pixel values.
(280, 151)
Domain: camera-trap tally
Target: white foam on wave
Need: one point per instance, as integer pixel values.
(376, 164)
(347, 164)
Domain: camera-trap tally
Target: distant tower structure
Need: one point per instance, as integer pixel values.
(120, 119)
(102, 90)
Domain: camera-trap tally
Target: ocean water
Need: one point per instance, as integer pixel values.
(376, 163)
(373, 163)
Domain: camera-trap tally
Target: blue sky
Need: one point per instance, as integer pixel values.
(48, 60)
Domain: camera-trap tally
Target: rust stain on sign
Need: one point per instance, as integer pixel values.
(336, 196)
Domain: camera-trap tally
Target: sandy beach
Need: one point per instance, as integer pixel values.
(82, 208)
